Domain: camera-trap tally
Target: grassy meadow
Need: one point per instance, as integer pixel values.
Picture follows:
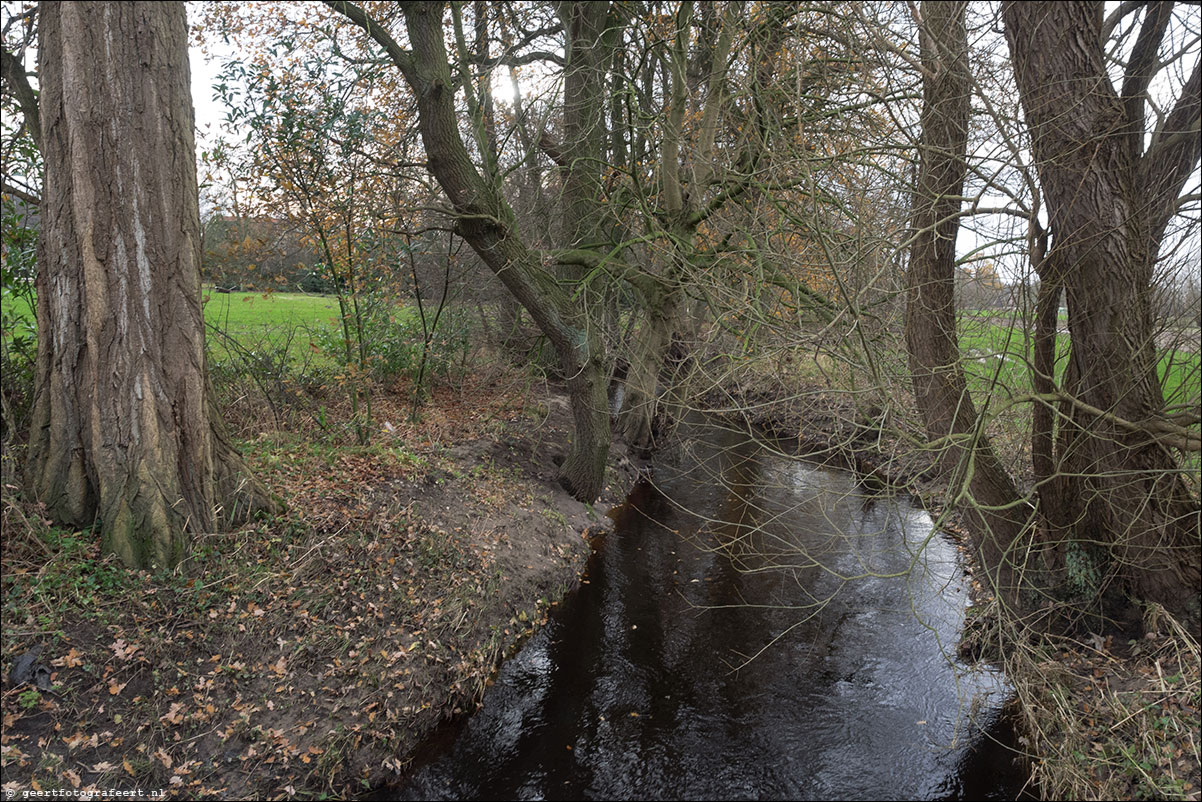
(239, 312)
(254, 320)
(996, 349)
(997, 353)
(243, 312)
(250, 319)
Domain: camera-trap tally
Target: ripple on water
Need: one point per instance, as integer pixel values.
(758, 630)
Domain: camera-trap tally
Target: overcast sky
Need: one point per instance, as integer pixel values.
(209, 114)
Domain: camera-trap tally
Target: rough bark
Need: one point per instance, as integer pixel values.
(584, 132)
(1047, 312)
(124, 433)
(995, 512)
(1117, 481)
(13, 71)
(641, 405)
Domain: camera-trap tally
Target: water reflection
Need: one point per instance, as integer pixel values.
(754, 628)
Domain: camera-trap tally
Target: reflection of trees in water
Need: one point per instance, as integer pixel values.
(752, 655)
(776, 510)
(780, 535)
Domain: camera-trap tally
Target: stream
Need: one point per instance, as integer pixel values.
(756, 627)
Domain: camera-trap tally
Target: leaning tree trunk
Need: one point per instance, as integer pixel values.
(488, 224)
(992, 506)
(124, 432)
(1117, 482)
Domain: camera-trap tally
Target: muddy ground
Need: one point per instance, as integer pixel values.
(310, 654)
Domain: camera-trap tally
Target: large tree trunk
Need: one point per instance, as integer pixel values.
(1117, 481)
(584, 133)
(123, 432)
(992, 506)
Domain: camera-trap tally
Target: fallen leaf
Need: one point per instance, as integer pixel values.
(123, 650)
(69, 660)
(173, 715)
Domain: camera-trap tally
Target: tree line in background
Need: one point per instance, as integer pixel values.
(684, 199)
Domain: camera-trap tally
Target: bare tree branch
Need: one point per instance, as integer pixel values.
(17, 192)
(399, 55)
(1124, 10)
(1140, 69)
(1175, 148)
(13, 71)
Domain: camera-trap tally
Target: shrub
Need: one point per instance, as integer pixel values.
(18, 330)
(18, 349)
(266, 367)
(316, 282)
(395, 343)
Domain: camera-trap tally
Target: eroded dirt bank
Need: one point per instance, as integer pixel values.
(308, 654)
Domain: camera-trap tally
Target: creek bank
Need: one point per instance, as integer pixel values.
(824, 426)
(1099, 715)
(721, 607)
(312, 653)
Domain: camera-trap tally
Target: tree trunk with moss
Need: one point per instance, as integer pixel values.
(124, 430)
(1114, 483)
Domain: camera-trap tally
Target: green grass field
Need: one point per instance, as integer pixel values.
(238, 312)
(255, 320)
(252, 319)
(997, 351)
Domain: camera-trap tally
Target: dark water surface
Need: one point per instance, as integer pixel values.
(755, 628)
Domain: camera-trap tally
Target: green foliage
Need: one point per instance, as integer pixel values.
(395, 344)
(29, 698)
(305, 139)
(1081, 571)
(316, 281)
(18, 332)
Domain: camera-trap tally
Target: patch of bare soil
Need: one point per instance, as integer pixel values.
(307, 655)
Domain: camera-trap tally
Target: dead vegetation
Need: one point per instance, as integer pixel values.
(308, 654)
